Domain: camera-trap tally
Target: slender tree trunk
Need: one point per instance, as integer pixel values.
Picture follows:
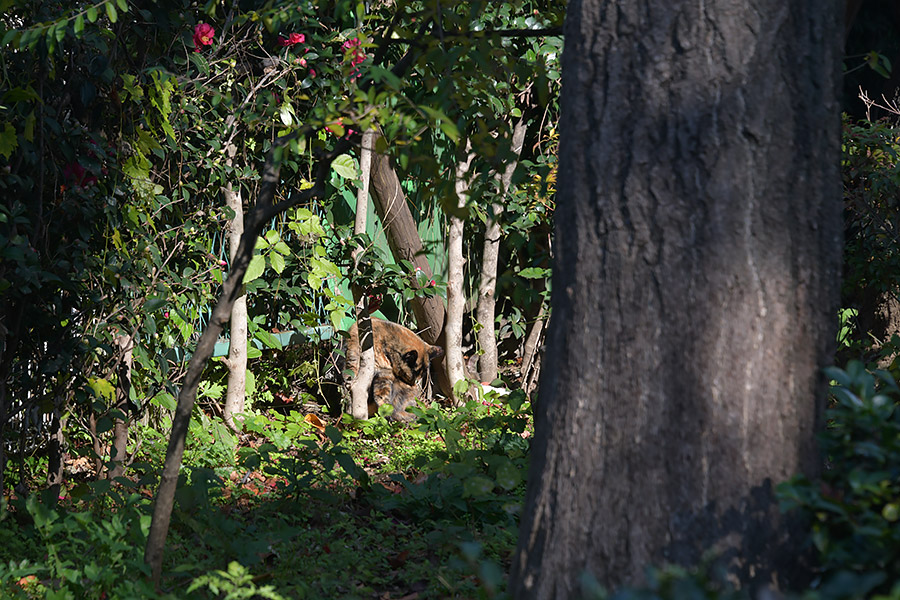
(235, 394)
(530, 350)
(403, 239)
(55, 454)
(362, 381)
(119, 447)
(456, 297)
(231, 291)
(695, 287)
(487, 285)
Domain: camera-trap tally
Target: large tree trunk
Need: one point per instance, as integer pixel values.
(698, 238)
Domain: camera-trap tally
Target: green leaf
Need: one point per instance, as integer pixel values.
(534, 273)
(277, 262)
(508, 476)
(255, 268)
(8, 140)
(333, 434)
(268, 339)
(102, 387)
(123, 4)
(285, 113)
(79, 24)
(92, 14)
(153, 303)
(111, 12)
(345, 166)
(477, 485)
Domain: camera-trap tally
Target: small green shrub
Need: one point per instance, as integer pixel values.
(855, 506)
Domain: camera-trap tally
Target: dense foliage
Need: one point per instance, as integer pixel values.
(122, 122)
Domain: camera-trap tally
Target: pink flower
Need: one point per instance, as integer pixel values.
(352, 51)
(431, 283)
(166, 314)
(203, 35)
(312, 73)
(302, 62)
(291, 40)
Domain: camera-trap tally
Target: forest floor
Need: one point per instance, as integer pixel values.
(297, 507)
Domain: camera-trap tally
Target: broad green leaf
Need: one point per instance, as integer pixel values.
(154, 303)
(102, 387)
(123, 4)
(272, 236)
(255, 268)
(534, 273)
(111, 12)
(345, 166)
(477, 485)
(508, 476)
(8, 140)
(277, 262)
(268, 339)
(79, 24)
(92, 14)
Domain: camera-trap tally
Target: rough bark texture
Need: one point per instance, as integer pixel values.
(698, 239)
(403, 239)
(235, 394)
(362, 381)
(487, 282)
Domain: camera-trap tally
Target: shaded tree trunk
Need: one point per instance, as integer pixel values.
(487, 284)
(695, 288)
(55, 453)
(119, 446)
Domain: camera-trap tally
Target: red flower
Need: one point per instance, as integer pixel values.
(78, 175)
(203, 35)
(291, 40)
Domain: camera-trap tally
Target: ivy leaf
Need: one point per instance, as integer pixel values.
(255, 268)
(345, 166)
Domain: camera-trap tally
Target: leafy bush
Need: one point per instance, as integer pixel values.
(855, 506)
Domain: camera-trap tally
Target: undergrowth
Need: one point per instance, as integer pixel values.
(297, 509)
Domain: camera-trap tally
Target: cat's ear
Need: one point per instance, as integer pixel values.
(435, 353)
